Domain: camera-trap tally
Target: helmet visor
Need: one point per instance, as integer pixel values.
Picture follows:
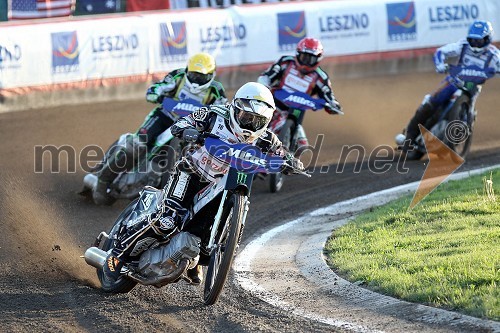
(199, 78)
(307, 59)
(248, 114)
(478, 42)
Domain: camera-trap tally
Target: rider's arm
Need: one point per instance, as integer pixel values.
(273, 74)
(324, 90)
(198, 120)
(218, 94)
(496, 62)
(270, 144)
(447, 51)
(162, 88)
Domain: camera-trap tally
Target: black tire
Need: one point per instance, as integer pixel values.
(414, 155)
(222, 256)
(123, 284)
(276, 180)
(461, 111)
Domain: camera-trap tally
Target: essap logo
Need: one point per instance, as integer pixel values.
(173, 39)
(291, 29)
(65, 52)
(401, 21)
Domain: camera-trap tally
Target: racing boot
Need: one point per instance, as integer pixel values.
(423, 113)
(195, 275)
(100, 194)
(302, 142)
(115, 164)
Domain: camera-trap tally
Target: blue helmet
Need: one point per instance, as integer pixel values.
(479, 36)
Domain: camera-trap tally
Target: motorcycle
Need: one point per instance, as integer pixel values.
(153, 166)
(452, 124)
(291, 107)
(209, 237)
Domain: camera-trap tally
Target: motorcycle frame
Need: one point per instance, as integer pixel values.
(230, 183)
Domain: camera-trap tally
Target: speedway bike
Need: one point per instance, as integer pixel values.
(210, 236)
(291, 107)
(153, 166)
(453, 124)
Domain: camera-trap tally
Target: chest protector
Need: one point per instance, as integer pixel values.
(206, 165)
(183, 92)
(295, 80)
(469, 58)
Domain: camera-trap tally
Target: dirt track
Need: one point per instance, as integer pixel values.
(45, 225)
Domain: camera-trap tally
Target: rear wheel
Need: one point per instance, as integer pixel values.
(286, 136)
(460, 126)
(414, 155)
(122, 284)
(222, 256)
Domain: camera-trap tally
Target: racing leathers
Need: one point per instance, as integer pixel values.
(488, 59)
(192, 173)
(158, 120)
(284, 74)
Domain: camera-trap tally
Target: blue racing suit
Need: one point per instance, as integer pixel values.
(488, 59)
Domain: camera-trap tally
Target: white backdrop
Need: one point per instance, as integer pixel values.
(78, 50)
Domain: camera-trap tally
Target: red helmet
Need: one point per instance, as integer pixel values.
(309, 54)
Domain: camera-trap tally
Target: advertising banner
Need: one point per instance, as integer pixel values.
(137, 45)
(424, 23)
(114, 48)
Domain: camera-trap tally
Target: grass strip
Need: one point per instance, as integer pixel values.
(445, 252)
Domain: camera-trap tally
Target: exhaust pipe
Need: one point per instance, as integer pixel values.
(95, 257)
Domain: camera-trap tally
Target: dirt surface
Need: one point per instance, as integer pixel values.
(46, 226)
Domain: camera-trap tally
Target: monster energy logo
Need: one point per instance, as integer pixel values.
(241, 178)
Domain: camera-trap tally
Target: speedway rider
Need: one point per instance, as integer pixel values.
(244, 120)
(302, 73)
(477, 50)
(196, 82)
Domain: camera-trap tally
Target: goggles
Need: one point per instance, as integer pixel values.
(199, 78)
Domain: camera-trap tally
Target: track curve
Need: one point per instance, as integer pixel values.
(46, 225)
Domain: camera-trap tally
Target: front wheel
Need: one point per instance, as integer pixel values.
(122, 284)
(276, 180)
(460, 126)
(222, 256)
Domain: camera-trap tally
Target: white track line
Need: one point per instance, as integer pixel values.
(314, 268)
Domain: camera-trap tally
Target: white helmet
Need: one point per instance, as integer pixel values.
(251, 111)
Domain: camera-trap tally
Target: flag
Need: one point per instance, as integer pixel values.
(32, 9)
(84, 7)
(139, 5)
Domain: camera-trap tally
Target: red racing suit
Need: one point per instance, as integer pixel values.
(285, 74)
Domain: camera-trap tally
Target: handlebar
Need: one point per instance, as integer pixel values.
(297, 171)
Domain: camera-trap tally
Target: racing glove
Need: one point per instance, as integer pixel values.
(192, 135)
(441, 67)
(154, 98)
(333, 108)
(293, 164)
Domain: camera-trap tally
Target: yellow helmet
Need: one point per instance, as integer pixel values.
(200, 72)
